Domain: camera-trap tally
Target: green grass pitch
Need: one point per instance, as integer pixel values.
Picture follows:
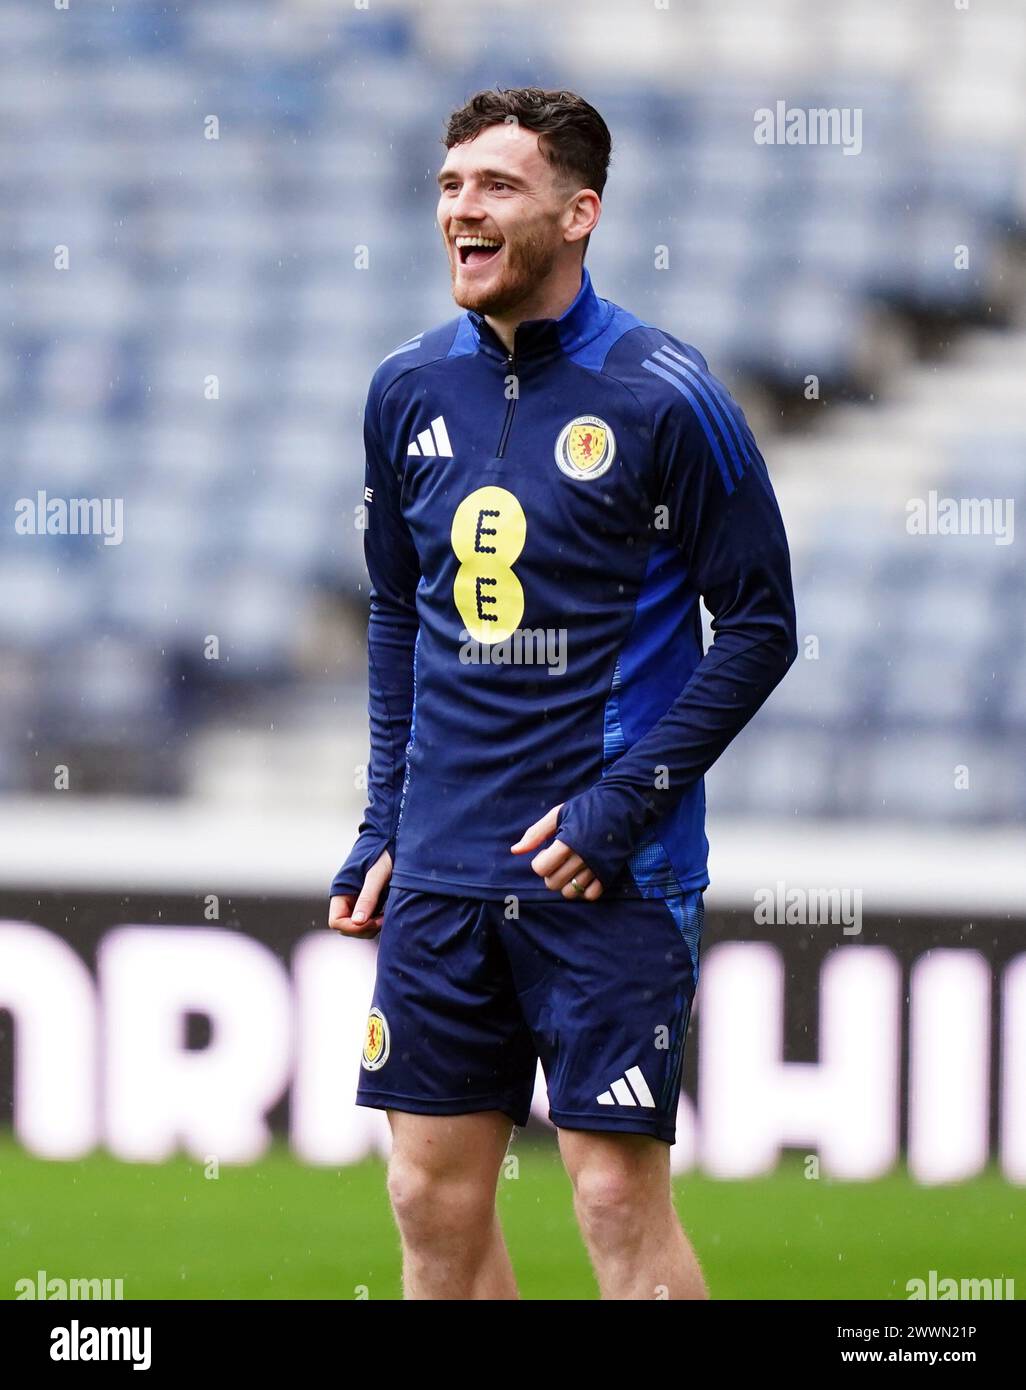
(279, 1229)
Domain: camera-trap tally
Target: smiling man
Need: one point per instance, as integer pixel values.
(533, 854)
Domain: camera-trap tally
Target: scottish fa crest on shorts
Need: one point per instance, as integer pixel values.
(585, 447)
(376, 1041)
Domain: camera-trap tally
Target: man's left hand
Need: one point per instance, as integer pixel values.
(558, 864)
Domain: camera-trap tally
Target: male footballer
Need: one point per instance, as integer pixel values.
(552, 486)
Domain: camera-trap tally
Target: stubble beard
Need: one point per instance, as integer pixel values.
(529, 259)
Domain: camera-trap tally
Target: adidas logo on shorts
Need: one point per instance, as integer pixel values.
(621, 1092)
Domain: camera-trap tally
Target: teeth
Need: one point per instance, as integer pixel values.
(477, 241)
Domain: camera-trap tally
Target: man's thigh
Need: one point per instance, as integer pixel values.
(610, 1159)
(465, 1149)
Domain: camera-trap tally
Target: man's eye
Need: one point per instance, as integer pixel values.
(500, 185)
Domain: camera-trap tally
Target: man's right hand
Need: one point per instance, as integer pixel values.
(354, 919)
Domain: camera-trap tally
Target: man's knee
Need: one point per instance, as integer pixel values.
(443, 1171)
(429, 1203)
(606, 1193)
(614, 1182)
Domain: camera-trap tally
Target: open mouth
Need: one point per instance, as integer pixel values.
(477, 250)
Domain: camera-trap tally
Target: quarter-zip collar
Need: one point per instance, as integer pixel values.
(537, 340)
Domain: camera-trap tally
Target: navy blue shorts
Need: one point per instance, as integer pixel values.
(467, 999)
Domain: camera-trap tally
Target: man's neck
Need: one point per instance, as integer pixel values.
(550, 301)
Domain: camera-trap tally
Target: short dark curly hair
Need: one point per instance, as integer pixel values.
(572, 135)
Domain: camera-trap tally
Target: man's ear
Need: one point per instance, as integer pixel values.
(582, 214)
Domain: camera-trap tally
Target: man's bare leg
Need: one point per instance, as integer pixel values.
(442, 1178)
(625, 1210)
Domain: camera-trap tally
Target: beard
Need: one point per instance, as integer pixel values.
(527, 260)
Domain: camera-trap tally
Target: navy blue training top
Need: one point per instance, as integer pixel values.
(540, 527)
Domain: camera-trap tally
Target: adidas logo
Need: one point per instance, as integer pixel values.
(432, 442)
(620, 1093)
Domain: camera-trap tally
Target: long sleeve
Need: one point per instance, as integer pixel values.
(394, 570)
(723, 516)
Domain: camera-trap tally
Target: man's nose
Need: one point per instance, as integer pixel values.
(465, 206)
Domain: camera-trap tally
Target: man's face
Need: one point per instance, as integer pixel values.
(499, 186)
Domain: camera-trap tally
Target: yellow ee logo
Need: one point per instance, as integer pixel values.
(488, 534)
